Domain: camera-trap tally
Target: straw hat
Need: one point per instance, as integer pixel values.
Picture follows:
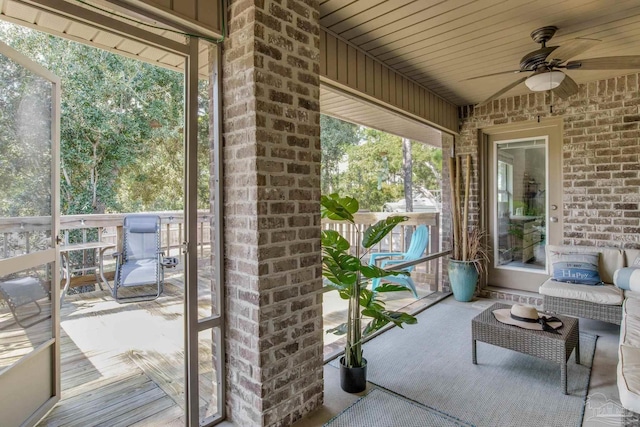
(528, 318)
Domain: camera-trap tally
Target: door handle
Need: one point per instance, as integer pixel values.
(553, 219)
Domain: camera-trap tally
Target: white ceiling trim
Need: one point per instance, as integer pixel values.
(354, 109)
(164, 49)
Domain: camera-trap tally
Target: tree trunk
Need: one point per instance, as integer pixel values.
(94, 176)
(407, 167)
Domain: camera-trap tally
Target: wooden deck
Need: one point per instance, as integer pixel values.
(122, 364)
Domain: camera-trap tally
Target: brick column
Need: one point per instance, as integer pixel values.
(272, 222)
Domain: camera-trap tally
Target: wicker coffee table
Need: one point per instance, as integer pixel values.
(545, 345)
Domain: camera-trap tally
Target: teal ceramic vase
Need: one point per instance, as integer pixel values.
(463, 277)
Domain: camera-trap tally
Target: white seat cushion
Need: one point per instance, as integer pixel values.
(629, 377)
(631, 304)
(630, 330)
(607, 294)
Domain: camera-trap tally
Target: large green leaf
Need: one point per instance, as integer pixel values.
(343, 260)
(333, 272)
(391, 287)
(333, 239)
(373, 326)
(349, 203)
(383, 317)
(372, 271)
(340, 268)
(345, 293)
(338, 208)
(338, 330)
(334, 286)
(376, 232)
(368, 299)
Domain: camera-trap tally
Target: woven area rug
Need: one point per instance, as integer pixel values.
(384, 409)
(430, 364)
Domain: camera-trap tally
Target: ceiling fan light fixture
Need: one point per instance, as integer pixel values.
(547, 80)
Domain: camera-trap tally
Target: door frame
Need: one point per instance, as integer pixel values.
(194, 324)
(188, 51)
(554, 128)
(39, 356)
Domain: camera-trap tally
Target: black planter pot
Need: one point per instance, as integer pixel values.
(353, 380)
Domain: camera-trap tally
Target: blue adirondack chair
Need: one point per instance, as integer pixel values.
(419, 242)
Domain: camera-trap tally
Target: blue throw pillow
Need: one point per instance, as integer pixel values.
(579, 268)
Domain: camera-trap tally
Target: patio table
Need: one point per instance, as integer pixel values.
(545, 345)
(98, 268)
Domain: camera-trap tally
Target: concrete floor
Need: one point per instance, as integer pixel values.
(602, 388)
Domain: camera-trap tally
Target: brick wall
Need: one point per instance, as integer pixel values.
(272, 222)
(600, 148)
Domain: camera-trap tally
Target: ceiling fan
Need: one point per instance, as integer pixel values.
(546, 64)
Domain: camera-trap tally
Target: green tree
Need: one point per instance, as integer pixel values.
(108, 109)
(121, 126)
(336, 136)
(374, 173)
(25, 157)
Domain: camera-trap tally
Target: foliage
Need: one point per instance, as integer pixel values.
(121, 128)
(349, 276)
(335, 137)
(25, 172)
(374, 171)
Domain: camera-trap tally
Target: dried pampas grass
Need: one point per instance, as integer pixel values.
(476, 248)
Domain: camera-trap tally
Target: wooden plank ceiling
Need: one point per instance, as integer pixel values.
(441, 43)
(59, 25)
(333, 103)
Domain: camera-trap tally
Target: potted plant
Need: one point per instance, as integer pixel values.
(466, 266)
(343, 269)
(469, 253)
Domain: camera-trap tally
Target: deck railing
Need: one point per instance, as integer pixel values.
(109, 228)
(23, 234)
(20, 235)
(399, 239)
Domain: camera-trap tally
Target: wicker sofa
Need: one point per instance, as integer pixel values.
(607, 303)
(593, 302)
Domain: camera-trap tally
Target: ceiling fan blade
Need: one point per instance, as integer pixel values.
(572, 48)
(606, 63)
(567, 88)
(495, 74)
(503, 90)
